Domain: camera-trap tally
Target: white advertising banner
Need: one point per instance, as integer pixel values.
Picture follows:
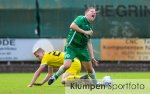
(21, 49)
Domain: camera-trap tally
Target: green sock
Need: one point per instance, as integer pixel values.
(93, 77)
(59, 72)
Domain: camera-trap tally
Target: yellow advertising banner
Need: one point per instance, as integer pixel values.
(125, 49)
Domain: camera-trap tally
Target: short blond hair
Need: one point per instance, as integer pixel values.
(36, 50)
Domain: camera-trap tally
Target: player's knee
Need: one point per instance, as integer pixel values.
(66, 67)
(67, 64)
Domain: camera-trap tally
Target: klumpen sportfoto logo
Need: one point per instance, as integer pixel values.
(87, 85)
(127, 86)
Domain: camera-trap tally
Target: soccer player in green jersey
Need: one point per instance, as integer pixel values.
(79, 45)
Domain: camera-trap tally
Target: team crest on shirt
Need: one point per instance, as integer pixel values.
(87, 25)
(67, 55)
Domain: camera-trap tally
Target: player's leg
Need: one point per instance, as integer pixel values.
(76, 65)
(86, 62)
(69, 56)
(73, 72)
(64, 76)
(69, 77)
(61, 70)
(91, 71)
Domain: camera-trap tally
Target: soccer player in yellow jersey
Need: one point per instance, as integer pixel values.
(53, 60)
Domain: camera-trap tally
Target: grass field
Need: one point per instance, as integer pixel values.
(16, 83)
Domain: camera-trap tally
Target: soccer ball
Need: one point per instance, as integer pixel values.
(107, 81)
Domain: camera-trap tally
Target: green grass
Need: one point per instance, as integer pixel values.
(16, 83)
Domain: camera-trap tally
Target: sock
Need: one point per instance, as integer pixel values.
(58, 73)
(93, 76)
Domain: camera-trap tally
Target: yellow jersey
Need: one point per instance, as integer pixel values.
(54, 58)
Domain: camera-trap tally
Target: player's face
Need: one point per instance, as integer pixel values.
(91, 14)
(39, 55)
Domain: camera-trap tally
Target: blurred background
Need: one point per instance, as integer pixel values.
(121, 38)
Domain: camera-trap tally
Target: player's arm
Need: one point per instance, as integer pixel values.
(37, 74)
(90, 48)
(49, 74)
(75, 26)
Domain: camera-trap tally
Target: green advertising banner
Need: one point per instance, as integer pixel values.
(51, 18)
(18, 19)
(117, 18)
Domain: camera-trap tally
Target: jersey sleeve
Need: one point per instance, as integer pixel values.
(44, 61)
(79, 20)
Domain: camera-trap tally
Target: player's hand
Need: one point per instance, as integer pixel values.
(38, 84)
(29, 85)
(88, 32)
(95, 62)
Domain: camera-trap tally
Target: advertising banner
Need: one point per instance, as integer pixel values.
(125, 49)
(21, 49)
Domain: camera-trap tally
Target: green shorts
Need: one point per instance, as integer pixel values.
(81, 53)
